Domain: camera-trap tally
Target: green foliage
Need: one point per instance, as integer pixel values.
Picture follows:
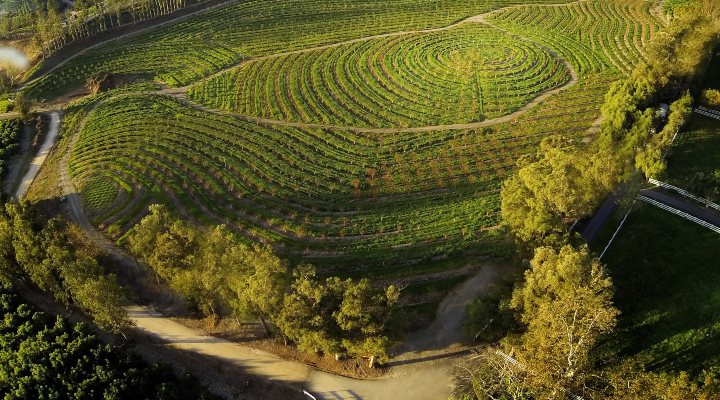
(44, 357)
(52, 257)
(336, 316)
(221, 275)
(181, 53)
(710, 98)
(490, 317)
(566, 303)
(9, 140)
(559, 186)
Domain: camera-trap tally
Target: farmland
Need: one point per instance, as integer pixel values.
(181, 53)
(464, 74)
(273, 130)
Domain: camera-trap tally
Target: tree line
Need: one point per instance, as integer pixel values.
(222, 276)
(44, 357)
(55, 25)
(564, 302)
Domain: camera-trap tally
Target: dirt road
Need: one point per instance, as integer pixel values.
(39, 159)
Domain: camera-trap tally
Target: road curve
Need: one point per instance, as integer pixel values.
(39, 159)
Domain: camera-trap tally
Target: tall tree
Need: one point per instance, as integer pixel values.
(259, 281)
(566, 303)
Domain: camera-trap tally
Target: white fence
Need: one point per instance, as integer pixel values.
(708, 112)
(685, 193)
(680, 213)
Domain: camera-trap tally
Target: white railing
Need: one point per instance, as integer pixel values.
(617, 230)
(684, 192)
(708, 112)
(680, 213)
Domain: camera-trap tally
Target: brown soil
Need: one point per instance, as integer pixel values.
(251, 335)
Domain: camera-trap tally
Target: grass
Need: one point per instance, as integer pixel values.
(668, 290)
(697, 150)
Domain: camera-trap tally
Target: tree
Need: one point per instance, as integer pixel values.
(306, 313)
(259, 281)
(486, 375)
(629, 381)
(99, 295)
(337, 316)
(550, 191)
(362, 315)
(566, 303)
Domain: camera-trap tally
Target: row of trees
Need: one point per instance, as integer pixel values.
(42, 357)
(55, 25)
(222, 276)
(56, 258)
(565, 300)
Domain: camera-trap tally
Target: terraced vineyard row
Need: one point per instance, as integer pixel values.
(464, 74)
(594, 35)
(180, 53)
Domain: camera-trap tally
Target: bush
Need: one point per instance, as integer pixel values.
(710, 98)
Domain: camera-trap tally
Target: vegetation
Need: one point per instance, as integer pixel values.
(9, 140)
(46, 357)
(56, 258)
(464, 74)
(628, 138)
(566, 299)
(183, 52)
(222, 276)
(54, 23)
(695, 158)
(662, 269)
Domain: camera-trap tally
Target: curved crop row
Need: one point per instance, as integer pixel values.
(340, 199)
(465, 74)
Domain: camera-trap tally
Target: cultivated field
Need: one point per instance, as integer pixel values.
(379, 156)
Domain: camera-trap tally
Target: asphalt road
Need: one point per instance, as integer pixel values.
(709, 215)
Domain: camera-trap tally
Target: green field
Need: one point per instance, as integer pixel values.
(668, 290)
(697, 151)
(352, 199)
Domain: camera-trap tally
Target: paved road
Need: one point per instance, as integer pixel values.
(600, 218)
(709, 215)
(39, 159)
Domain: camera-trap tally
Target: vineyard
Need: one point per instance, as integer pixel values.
(314, 178)
(181, 53)
(464, 74)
